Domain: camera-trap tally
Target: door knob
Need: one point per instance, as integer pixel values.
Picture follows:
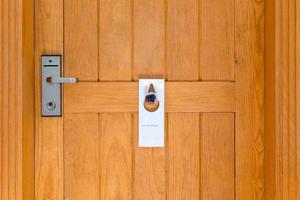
(151, 102)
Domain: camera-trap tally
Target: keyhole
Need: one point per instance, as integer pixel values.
(51, 105)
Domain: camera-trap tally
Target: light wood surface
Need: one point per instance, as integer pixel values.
(81, 38)
(28, 100)
(270, 102)
(149, 59)
(149, 38)
(49, 131)
(49, 159)
(11, 99)
(123, 97)
(214, 128)
(216, 39)
(183, 156)
(249, 67)
(115, 41)
(297, 90)
(116, 156)
(287, 101)
(182, 40)
(217, 156)
(183, 137)
(81, 157)
(178, 40)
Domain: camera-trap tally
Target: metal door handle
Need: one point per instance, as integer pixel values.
(52, 95)
(61, 79)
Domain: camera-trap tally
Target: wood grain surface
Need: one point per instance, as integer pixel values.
(182, 40)
(81, 157)
(218, 42)
(123, 97)
(115, 40)
(287, 100)
(116, 156)
(249, 68)
(80, 38)
(11, 99)
(217, 156)
(49, 131)
(210, 53)
(183, 156)
(216, 39)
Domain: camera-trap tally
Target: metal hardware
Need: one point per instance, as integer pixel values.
(151, 102)
(51, 105)
(51, 85)
(61, 80)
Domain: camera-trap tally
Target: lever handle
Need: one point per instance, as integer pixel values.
(61, 79)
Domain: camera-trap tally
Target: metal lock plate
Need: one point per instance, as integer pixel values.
(51, 93)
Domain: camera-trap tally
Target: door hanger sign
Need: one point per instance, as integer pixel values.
(151, 112)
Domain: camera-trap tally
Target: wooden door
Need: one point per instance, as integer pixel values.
(210, 53)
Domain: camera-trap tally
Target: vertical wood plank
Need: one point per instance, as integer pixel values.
(15, 90)
(270, 102)
(49, 133)
(182, 40)
(249, 65)
(2, 21)
(217, 40)
(286, 163)
(149, 60)
(149, 170)
(115, 41)
(291, 121)
(49, 159)
(81, 159)
(2, 85)
(116, 32)
(183, 165)
(217, 156)
(81, 39)
(298, 93)
(281, 61)
(11, 28)
(183, 156)
(28, 100)
(115, 156)
(149, 38)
